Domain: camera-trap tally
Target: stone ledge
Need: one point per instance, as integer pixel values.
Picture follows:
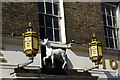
(50, 74)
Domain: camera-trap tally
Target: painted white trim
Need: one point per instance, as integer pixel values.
(118, 24)
(13, 66)
(62, 22)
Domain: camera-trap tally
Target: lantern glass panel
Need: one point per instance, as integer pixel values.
(100, 50)
(35, 42)
(94, 51)
(90, 52)
(28, 42)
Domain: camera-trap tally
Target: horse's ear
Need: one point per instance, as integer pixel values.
(47, 39)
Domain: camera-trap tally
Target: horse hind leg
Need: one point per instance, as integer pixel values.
(64, 59)
(52, 58)
(63, 66)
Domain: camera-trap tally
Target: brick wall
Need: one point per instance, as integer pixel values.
(82, 19)
(16, 15)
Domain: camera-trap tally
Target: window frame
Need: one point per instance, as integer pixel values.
(61, 22)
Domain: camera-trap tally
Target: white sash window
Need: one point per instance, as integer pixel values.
(51, 19)
(111, 28)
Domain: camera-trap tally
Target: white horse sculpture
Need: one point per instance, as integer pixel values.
(52, 53)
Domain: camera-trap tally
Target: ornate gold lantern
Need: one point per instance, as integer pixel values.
(30, 42)
(95, 50)
(30, 45)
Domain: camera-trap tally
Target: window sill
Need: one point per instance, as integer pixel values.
(111, 49)
(58, 44)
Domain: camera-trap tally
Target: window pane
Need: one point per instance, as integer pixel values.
(42, 33)
(105, 31)
(49, 34)
(56, 35)
(106, 40)
(55, 22)
(114, 21)
(116, 44)
(48, 7)
(113, 11)
(109, 20)
(108, 10)
(109, 32)
(48, 21)
(114, 33)
(55, 9)
(41, 20)
(111, 42)
(41, 7)
(104, 20)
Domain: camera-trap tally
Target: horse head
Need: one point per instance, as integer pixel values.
(45, 41)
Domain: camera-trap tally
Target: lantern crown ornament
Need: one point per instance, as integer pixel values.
(95, 50)
(30, 41)
(30, 24)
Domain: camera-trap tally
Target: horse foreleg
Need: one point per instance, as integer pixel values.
(65, 61)
(44, 58)
(52, 58)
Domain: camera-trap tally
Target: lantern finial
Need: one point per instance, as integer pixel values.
(30, 28)
(29, 24)
(94, 37)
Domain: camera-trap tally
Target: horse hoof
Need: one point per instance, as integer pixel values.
(53, 67)
(62, 67)
(44, 63)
